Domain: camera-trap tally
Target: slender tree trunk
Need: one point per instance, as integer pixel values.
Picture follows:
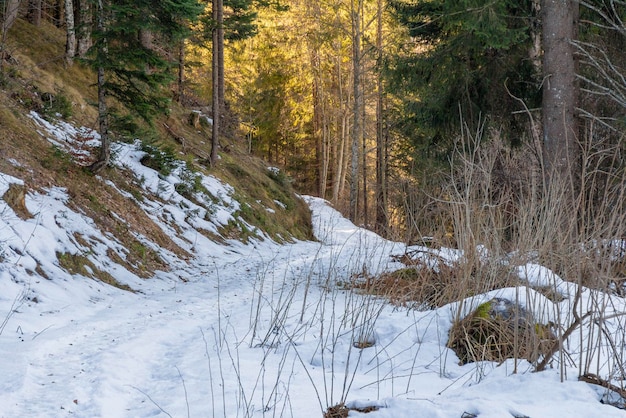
(345, 149)
(84, 27)
(217, 101)
(70, 30)
(560, 127)
(220, 54)
(320, 121)
(357, 104)
(381, 146)
(364, 157)
(340, 133)
(103, 117)
(320, 130)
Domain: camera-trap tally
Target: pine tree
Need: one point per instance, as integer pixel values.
(462, 58)
(128, 69)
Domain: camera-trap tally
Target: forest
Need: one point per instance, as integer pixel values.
(375, 105)
(264, 207)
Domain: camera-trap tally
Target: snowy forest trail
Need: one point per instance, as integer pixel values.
(120, 354)
(258, 330)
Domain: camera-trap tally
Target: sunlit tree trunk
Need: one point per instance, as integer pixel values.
(364, 188)
(381, 143)
(355, 15)
(319, 129)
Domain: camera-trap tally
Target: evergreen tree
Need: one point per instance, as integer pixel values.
(130, 70)
(462, 58)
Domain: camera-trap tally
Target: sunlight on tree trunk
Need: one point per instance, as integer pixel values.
(356, 15)
(381, 146)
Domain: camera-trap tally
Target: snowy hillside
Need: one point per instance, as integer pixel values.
(256, 329)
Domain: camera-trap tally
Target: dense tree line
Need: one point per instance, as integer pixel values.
(362, 100)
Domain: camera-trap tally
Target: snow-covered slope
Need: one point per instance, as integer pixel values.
(240, 330)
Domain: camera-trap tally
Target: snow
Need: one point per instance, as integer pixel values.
(254, 330)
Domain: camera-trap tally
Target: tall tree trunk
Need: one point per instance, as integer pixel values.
(364, 156)
(84, 27)
(220, 55)
(340, 142)
(218, 38)
(70, 30)
(317, 127)
(560, 95)
(345, 150)
(357, 104)
(103, 117)
(381, 146)
(320, 122)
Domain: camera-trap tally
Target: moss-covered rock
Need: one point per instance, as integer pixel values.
(497, 330)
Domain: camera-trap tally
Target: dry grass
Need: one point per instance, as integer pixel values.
(496, 209)
(421, 286)
(15, 197)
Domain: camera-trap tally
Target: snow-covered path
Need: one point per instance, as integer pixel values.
(110, 353)
(255, 330)
(242, 337)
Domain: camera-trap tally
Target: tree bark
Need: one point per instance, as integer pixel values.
(357, 105)
(560, 94)
(364, 187)
(103, 117)
(318, 136)
(220, 53)
(84, 27)
(340, 142)
(381, 145)
(217, 100)
(70, 30)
